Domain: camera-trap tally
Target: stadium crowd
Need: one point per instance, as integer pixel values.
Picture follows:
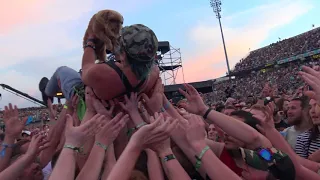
(266, 128)
(285, 48)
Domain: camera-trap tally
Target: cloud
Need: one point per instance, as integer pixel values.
(38, 36)
(19, 13)
(207, 54)
(21, 82)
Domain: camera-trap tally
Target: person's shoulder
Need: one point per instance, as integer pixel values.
(304, 135)
(287, 129)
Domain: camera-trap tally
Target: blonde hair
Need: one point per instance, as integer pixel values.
(106, 26)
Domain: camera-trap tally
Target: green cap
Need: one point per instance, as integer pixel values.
(139, 42)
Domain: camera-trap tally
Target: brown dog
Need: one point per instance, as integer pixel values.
(106, 26)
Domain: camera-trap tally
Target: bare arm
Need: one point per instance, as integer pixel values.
(125, 164)
(110, 161)
(16, 169)
(92, 167)
(238, 129)
(56, 131)
(154, 166)
(173, 168)
(219, 170)
(65, 167)
(82, 157)
(5, 160)
(315, 156)
(278, 141)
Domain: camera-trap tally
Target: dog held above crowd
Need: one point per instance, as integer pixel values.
(118, 124)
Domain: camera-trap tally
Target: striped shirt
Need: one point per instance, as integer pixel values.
(304, 147)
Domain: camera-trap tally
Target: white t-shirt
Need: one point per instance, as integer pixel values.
(290, 134)
(47, 171)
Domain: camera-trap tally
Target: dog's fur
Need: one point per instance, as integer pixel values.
(106, 26)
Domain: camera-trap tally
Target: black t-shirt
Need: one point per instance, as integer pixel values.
(281, 125)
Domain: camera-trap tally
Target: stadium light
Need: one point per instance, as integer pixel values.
(216, 6)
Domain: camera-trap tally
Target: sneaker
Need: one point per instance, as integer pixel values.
(42, 87)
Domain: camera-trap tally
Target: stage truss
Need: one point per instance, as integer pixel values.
(170, 64)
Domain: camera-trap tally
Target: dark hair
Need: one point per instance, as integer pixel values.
(248, 118)
(2, 135)
(220, 108)
(304, 101)
(314, 133)
(140, 69)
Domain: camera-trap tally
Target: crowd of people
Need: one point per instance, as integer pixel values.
(117, 123)
(285, 48)
(284, 79)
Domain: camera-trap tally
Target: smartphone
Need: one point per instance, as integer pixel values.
(267, 100)
(265, 154)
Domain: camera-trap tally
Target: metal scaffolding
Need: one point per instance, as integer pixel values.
(170, 65)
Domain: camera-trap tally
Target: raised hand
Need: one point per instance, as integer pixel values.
(155, 102)
(195, 129)
(110, 129)
(162, 147)
(194, 102)
(76, 136)
(37, 144)
(52, 109)
(89, 97)
(266, 122)
(312, 78)
(153, 133)
(99, 106)
(14, 126)
(131, 105)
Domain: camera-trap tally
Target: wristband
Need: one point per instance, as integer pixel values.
(76, 149)
(168, 158)
(89, 45)
(65, 106)
(105, 147)
(140, 125)
(5, 146)
(131, 130)
(198, 158)
(205, 116)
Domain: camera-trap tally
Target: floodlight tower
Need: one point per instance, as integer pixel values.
(216, 6)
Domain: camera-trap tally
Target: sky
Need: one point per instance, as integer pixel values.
(37, 36)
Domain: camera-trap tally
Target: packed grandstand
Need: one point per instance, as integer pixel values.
(277, 64)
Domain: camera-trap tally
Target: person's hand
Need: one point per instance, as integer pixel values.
(110, 129)
(155, 102)
(196, 130)
(52, 109)
(72, 105)
(267, 91)
(76, 136)
(153, 133)
(312, 78)
(101, 107)
(38, 143)
(194, 102)
(161, 148)
(89, 98)
(266, 122)
(131, 105)
(14, 126)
